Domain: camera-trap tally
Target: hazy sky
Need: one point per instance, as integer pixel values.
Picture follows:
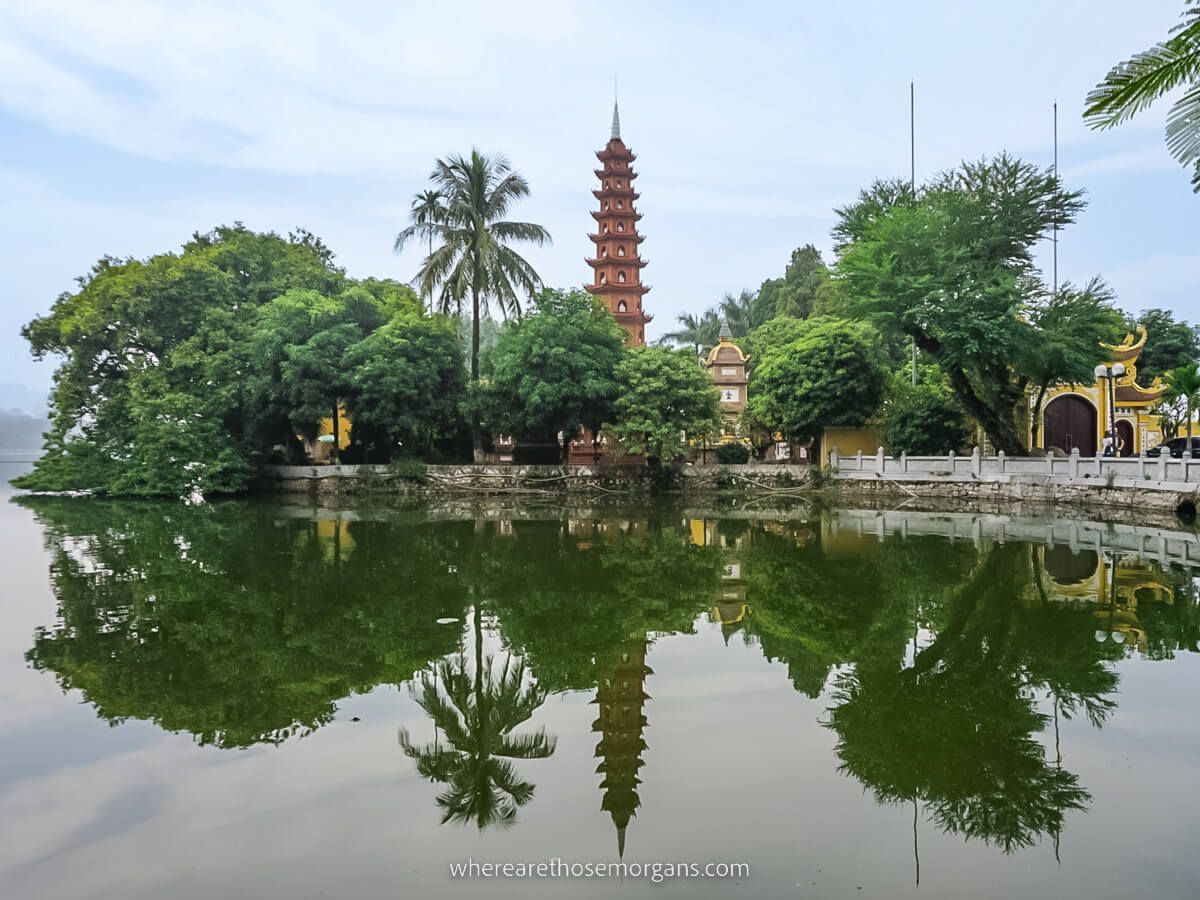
(125, 126)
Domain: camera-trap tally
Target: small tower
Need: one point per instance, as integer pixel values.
(617, 265)
(726, 365)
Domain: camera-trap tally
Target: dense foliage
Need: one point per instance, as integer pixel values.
(664, 399)
(555, 370)
(952, 268)
(177, 368)
(922, 419)
(1169, 343)
(814, 373)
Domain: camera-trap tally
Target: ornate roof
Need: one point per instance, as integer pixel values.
(726, 343)
(1128, 350)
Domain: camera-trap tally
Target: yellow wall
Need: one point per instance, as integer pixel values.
(849, 441)
(344, 427)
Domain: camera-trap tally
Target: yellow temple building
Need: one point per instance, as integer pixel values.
(1079, 416)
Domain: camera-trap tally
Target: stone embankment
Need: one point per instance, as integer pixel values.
(1137, 483)
(1159, 484)
(485, 480)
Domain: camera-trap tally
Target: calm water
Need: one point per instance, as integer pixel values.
(256, 700)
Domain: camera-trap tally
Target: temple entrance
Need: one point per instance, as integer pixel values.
(1124, 438)
(1069, 422)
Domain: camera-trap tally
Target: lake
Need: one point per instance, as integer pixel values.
(256, 699)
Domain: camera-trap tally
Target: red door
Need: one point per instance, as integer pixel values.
(1070, 422)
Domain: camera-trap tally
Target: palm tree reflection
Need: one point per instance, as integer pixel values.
(477, 712)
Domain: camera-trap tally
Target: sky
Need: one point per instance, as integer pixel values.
(127, 126)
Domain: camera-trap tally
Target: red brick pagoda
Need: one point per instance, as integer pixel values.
(617, 266)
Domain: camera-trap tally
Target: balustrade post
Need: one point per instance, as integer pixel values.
(880, 462)
(1049, 462)
(976, 462)
(904, 462)
(833, 458)
(950, 459)
(858, 461)
(1073, 467)
(1000, 461)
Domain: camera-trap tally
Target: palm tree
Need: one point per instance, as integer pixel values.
(477, 713)
(1183, 383)
(696, 333)
(1133, 85)
(427, 208)
(475, 258)
(737, 312)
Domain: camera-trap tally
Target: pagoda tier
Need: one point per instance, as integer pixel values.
(628, 174)
(622, 261)
(605, 215)
(597, 238)
(628, 193)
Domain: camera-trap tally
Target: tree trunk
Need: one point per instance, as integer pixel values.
(1000, 428)
(1035, 417)
(476, 430)
(337, 437)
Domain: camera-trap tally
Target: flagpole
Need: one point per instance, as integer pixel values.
(1054, 238)
(912, 182)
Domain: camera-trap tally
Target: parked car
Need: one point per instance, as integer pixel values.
(1175, 447)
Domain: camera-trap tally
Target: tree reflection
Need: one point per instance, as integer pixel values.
(956, 729)
(233, 623)
(477, 712)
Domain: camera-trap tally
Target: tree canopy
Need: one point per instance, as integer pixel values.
(664, 397)
(555, 370)
(814, 373)
(176, 369)
(952, 267)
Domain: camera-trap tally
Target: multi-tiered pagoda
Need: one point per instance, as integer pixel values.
(617, 266)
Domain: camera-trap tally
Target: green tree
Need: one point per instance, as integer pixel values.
(1068, 328)
(829, 374)
(922, 419)
(953, 269)
(475, 258)
(404, 386)
(738, 312)
(1134, 84)
(796, 292)
(1169, 343)
(427, 208)
(149, 345)
(1183, 385)
(663, 397)
(697, 333)
(555, 370)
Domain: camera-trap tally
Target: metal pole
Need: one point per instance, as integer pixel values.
(912, 182)
(1054, 238)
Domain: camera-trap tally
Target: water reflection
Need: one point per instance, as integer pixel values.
(476, 713)
(943, 665)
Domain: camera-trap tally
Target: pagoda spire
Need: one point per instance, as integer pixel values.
(617, 263)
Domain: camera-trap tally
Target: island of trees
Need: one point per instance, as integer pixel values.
(182, 372)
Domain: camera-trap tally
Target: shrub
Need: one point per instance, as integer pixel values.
(733, 454)
(408, 469)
